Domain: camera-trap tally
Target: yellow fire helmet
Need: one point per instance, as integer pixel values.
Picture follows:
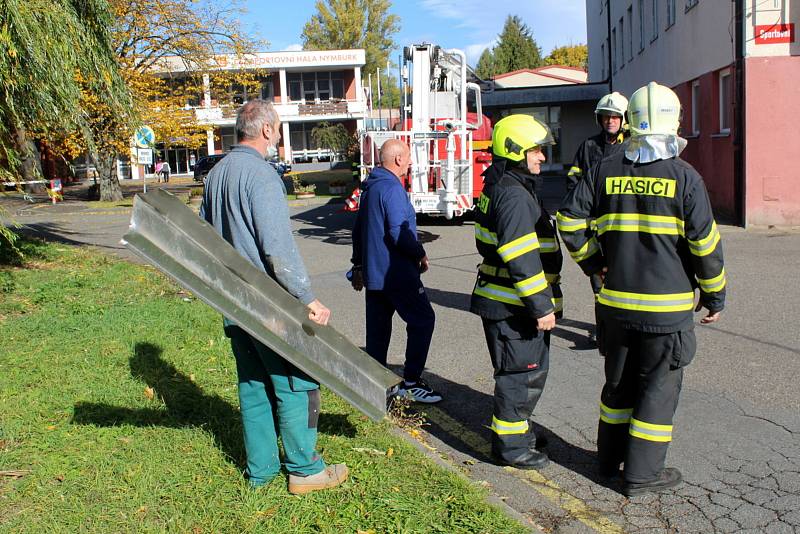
(612, 104)
(516, 134)
(653, 110)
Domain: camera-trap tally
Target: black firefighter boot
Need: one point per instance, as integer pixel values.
(668, 478)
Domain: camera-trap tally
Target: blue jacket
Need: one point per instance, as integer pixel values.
(385, 234)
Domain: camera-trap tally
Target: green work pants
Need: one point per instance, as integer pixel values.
(275, 398)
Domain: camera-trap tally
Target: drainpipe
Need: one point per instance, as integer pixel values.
(608, 37)
(739, 117)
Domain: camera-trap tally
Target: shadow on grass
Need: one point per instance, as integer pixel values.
(28, 248)
(186, 405)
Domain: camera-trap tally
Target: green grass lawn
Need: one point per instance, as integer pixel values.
(119, 413)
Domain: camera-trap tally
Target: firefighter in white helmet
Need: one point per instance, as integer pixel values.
(517, 293)
(610, 116)
(654, 241)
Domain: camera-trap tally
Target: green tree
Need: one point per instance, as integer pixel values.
(367, 24)
(486, 65)
(516, 48)
(334, 137)
(570, 55)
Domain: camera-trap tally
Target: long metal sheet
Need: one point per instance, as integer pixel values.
(170, 236)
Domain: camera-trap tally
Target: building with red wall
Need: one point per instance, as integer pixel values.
(735, 67)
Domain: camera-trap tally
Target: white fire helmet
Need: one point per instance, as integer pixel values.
(654, 110)
(612, 104)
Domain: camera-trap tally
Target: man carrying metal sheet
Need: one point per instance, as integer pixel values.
(245, 202)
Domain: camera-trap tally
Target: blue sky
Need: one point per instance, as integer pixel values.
(470, 25)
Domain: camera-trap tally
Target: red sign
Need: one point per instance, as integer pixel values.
(775, 33)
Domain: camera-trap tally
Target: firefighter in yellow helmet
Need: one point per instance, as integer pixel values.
(517, 292)
(655, 242)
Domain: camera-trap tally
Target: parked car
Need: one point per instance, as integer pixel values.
(207, 163)
(204, 165)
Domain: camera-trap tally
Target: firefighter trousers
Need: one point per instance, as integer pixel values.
(520, 356)
(644, 372)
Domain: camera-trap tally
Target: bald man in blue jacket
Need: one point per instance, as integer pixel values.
(388, 260)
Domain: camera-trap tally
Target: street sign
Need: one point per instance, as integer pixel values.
(144, 137)
(774, 33)
(144, 156)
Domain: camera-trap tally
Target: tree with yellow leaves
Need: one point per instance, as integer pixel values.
(163, 48)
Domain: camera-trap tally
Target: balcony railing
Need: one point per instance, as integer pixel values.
(324, 107)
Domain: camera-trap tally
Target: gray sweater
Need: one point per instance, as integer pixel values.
(245, 201)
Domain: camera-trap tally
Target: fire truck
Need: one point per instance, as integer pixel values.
(450, 146)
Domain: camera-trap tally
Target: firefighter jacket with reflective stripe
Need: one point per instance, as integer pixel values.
(652, 226)
(589, 154)
(519, 274)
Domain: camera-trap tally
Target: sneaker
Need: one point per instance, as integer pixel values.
(330, 477)
(669, 478)
(419, 391)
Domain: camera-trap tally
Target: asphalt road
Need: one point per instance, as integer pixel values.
(737, 430)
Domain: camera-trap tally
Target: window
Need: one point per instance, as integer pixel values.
(614, 50)
(603, 56)
(690, 4)
(621, 42)
(641, 25)
(670, 12)
(312, 86)
(294, 80)
(654, 36)
(725, 95)
(630, 33)
(267, 88)
(696, 107)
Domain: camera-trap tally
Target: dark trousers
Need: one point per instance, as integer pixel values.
(415, 309)
(644, 373)
(520, 356)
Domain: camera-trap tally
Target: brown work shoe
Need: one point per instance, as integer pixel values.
(330, 477)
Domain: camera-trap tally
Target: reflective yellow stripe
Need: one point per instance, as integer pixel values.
(491, 270)
(650, 431)
(481, 145)
(502, 272)
(518, 247)
(548, 244)
(552, 278)
(484, 235)
(638, 222)
(712, 285)
(567, 224)
(532, 285)
(499, 293)
(708, 244)
(508, 427)
(558, 304)
(615, 416)
(670, 302)
(574, 171)
(586, 250)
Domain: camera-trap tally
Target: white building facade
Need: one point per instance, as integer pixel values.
(306, 87)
